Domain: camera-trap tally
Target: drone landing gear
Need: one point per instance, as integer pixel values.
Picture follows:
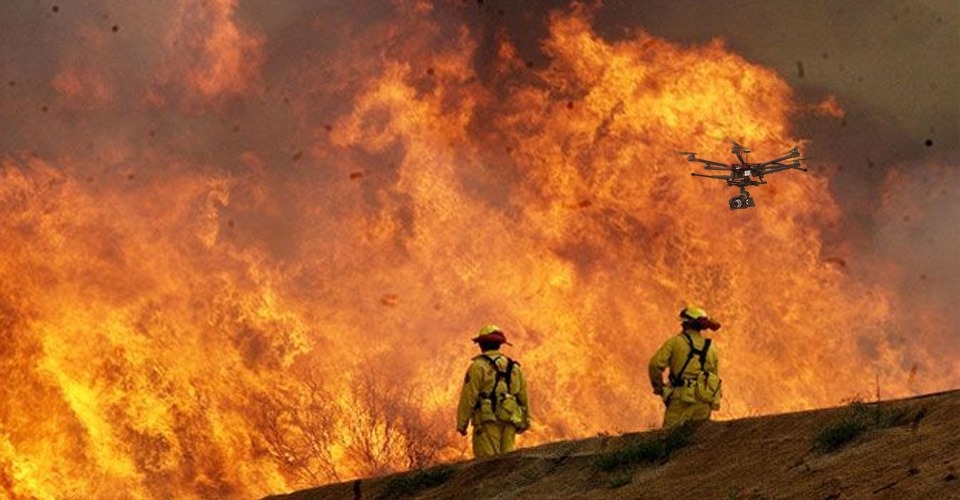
(742, 200)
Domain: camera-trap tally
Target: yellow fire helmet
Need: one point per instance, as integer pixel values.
(693, 312)
(488, 329)
(696, 317)
(491, 333)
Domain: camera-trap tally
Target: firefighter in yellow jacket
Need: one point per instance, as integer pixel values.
(693, 389)
(494, 397)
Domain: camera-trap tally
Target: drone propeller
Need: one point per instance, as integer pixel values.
(796, 163)
(780, 167)
(739, 150)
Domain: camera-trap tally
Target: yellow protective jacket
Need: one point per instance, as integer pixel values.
(479, 382)
(674, 353)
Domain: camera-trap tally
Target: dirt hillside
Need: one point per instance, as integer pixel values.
(907, 448)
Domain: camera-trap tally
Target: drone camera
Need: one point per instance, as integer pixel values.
(741, 201)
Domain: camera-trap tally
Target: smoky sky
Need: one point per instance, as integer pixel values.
(892, 66)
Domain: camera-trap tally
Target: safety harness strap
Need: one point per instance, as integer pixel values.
(677, 380)
(505, 376)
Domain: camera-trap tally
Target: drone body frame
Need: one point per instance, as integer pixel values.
(744, 173)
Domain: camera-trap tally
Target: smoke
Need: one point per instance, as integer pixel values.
(260, 233)
(916, 240)
(898, 132)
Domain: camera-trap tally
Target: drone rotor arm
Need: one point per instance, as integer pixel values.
(781, 168)
(789, 155)
(710, 162)
(777, 160)
(722, 177)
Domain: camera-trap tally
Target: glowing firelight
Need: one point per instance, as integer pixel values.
(186, 324)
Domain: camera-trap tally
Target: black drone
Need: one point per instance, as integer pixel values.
(740, 173)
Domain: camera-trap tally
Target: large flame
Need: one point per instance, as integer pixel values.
(183, 324)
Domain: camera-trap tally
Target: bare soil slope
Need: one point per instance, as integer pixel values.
(896, 449)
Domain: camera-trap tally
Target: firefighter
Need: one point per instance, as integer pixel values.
(494, 397)
(693, 390)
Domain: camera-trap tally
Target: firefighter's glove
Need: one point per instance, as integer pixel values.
(523, 426)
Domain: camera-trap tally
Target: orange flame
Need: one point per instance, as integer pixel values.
(202, 330)
(210, 52)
